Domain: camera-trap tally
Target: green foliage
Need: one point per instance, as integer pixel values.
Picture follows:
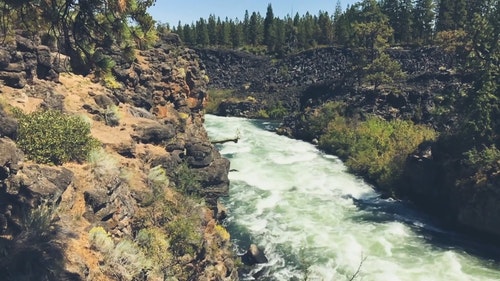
(375, 148)
(383, 70)
(480, 167)
(82, 26)
(185, 236)
(124, 260)
(316, 123)
(186, 181)
(38, 222)
(278, 111)
(100, 240)
(54, 137)
(155, 244)
(262, 114)
(215, 97)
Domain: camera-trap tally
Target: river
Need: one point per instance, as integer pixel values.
(315, 221)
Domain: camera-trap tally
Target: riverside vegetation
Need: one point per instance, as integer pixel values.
(411, 105)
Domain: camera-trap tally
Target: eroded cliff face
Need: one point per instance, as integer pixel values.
(303, 81)
(133, 193)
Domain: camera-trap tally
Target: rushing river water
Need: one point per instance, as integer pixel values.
(315, 221)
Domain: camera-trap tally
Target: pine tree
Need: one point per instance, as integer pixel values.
(236, 33)
(268, 28)
(423, 18)
(406, 22)
(246, 28)
(82, 25)
(460, 14)
(325, 36)
(452, 15)
(223, 32)
(212, 30)
(189, 35)
(254, 30)
(482, 116)
(371, 33)
(179, 30)
(202, 33)
(338, 11)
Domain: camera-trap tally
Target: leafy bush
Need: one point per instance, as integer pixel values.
(481, 165)
(278, 111)
(316, 123)
(375, 148)
(54, 137)
(185, 237)
(186, 181)
(155, 245)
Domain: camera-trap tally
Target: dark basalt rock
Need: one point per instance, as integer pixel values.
(35, 184)
(199, 155)
(155, 134)
(254, 256)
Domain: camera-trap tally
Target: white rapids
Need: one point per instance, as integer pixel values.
(315, 221)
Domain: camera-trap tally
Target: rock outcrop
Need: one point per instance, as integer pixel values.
(151, 130)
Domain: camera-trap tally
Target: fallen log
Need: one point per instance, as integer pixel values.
(235, 140)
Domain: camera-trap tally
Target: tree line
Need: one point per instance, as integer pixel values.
(413, 22)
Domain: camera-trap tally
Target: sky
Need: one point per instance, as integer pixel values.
(189, 11)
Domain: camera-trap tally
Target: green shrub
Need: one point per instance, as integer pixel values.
(54, 137)
(186, 181)
(480, 165)
(317, 121)
(155, 245)
(375, 148)
(215, 97)
(101, 240)
(278, 111)
(185, 236)
(37, 223)
(262, 114)
(126, 261)
(103, 165)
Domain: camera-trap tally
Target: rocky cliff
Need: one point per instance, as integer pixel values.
(145, 205)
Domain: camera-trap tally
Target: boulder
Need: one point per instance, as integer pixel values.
(104, 101)
(254, 256)
(9, 127)
(25, 44)
(96, 199)
(200, 154)
(13, 79)
(214, 178)
(155, 133)
(481, 211)
(10, 158)
(4, 58)
(36, 184)
(45, 68)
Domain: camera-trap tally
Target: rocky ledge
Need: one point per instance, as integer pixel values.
(154, 147)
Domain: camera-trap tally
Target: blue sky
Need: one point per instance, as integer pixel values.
(188, 11)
